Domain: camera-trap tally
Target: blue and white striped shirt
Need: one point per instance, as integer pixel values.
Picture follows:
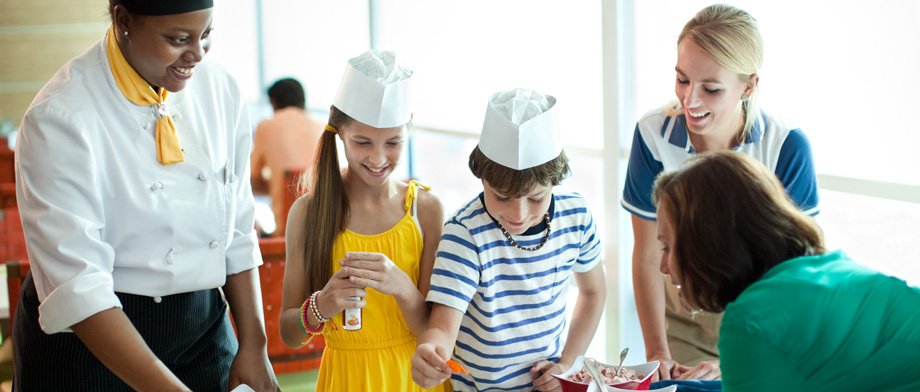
(513, 300)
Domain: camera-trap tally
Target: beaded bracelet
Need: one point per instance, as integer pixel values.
(305, 323)
(308, 335)
(315, 309)
(303, 316)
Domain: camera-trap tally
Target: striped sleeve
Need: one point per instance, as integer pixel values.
(589, 254)
(456, 273)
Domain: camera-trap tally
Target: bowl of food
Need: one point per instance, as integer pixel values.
(633, 377)
(593, 388)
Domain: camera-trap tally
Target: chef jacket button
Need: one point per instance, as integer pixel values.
(157, 299)
(214, 244)
(202, 177)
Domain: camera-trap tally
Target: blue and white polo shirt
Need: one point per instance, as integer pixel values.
(514, 301)
(661, 143)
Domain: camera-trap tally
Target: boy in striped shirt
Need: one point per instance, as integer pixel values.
(505, 261)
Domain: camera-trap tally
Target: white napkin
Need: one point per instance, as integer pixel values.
(242, 388)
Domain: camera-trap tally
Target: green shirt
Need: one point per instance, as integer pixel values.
(822, 323)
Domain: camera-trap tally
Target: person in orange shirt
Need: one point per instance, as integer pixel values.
(287, 141)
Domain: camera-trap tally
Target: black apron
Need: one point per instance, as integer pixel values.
(189, 332)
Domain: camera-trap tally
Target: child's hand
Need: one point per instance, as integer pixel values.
(339, 294)
(375, 270)
(429, 368)
(542, 376)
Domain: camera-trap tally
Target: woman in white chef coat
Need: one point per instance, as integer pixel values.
(132, 183)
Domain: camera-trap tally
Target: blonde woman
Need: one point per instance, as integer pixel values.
(719, 54)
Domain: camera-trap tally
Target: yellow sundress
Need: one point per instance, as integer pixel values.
(378, 356)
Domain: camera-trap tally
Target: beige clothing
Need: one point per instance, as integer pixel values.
(691, 338)
(287, 141)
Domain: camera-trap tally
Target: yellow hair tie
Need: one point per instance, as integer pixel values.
(330, 128)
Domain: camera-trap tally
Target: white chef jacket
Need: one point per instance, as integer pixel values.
(101, 215)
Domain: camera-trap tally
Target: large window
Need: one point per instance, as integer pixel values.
(490, 46)
(844, 74)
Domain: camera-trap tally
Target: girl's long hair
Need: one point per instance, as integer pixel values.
(327, 206)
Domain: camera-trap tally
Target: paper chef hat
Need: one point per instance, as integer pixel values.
(520, 130)
(374, 90)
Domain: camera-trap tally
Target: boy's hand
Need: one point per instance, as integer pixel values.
(429, 368)
(542, 376)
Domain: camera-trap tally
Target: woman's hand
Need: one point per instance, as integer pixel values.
(543, 379)
(340, 294)
(429, 368)
(252, 367)
(375, 270)
(668, 369)
(705, 370)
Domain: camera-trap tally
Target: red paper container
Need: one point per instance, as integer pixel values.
(647, 369)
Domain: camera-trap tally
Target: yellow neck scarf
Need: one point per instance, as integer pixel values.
(136, 89)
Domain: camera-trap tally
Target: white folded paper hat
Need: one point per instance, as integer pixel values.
(520, 129)
(374, 90)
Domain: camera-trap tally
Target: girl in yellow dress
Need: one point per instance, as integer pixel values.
(361, 242)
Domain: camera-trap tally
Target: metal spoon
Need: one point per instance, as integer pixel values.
(595, 372)
(622, 357)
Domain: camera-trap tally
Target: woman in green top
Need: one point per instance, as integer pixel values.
(797, 318)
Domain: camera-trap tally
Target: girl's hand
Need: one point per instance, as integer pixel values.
(339, 294)
(375, 270)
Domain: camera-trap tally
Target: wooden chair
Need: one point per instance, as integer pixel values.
(7, 163)
(13, 254)
(271, 276)
(7, 176)
(16, 271)
(291, 193)
(12, 239)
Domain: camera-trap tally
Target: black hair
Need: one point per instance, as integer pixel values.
(287, 92)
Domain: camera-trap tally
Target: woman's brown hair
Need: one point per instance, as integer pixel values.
(327, 206)
(732, 221)
(518, 183)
